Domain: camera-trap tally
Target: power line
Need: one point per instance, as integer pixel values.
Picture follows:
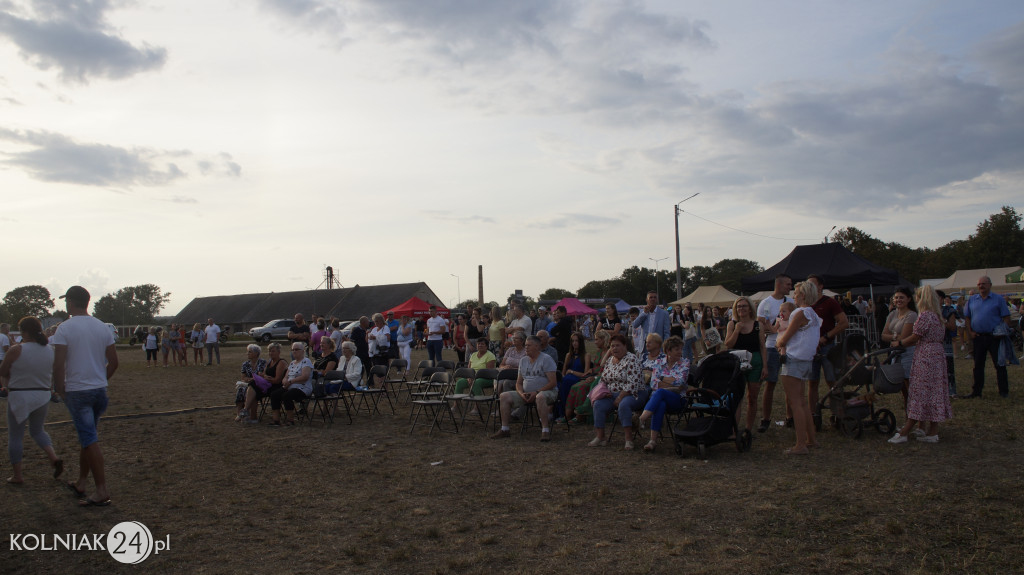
(749, 233)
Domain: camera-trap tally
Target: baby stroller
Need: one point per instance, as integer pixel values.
(709, 415)
(863, 376)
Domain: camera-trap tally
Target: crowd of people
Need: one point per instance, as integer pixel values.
(639, 371)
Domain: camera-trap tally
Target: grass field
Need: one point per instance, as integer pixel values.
(371, 498)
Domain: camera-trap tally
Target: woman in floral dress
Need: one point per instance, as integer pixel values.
(928, 399)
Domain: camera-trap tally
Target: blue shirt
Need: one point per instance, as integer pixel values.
(393, 326)
(985, 314)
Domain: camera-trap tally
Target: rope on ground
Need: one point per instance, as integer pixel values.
(147, 414)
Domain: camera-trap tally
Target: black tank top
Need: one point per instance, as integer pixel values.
(749, 341)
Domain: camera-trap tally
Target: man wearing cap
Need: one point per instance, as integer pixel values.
(84, 359)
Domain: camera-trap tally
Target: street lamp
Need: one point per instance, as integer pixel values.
(657, 286)
(458, 287)
(679, 278)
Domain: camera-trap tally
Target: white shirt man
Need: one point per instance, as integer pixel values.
(212, 331)
(767, 312)
(520, 323)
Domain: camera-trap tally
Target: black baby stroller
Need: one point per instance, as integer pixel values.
(862, 377)
(709, 414)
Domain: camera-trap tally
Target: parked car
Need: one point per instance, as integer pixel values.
(274, 329)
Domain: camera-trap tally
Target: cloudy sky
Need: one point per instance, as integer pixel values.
(216, 147)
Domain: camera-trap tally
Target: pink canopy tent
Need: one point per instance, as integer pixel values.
(574, 306)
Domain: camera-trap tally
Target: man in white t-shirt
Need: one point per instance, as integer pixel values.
(767, 312)
(212, 341)
(520, 322)
(436, 328)
(84, 359)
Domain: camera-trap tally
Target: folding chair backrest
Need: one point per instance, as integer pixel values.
(423, 364)
(508, 374)
(428, 372)
(446, 364)
(377, 375)
(485, 373)
(466, 373)
(397, 365)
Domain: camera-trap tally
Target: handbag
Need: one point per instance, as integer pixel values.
(261, 383)
(599, 391)
(712, 338)
(690, 333)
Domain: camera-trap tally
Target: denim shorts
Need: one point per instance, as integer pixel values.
(85, 408)
(798, 368)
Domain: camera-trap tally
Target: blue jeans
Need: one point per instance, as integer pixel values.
(627, 406)
(85, 408)
(663, 401)
(821, 363)
(434, 348)
(688, 348)
(773, 363)
(210, 348)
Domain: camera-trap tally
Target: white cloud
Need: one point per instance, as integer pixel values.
(74, 37)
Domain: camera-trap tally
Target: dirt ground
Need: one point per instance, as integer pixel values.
(371, 498)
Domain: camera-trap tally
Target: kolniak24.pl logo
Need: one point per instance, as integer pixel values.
(127, 542)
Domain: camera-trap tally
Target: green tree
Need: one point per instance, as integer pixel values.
(555, 294)
(728, 273)
(133, 304)
(24, 301)
(999, 241)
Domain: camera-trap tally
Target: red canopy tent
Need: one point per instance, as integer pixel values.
(574, 306)
(414, 307)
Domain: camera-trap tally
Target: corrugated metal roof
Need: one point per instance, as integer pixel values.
(345, 303)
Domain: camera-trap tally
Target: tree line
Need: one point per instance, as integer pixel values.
(129, 305)
(997, 242)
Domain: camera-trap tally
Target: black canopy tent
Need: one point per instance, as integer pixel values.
(838, 267)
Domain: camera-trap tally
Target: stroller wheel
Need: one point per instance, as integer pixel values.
(852, 427)
(885, 421)
(702, 450)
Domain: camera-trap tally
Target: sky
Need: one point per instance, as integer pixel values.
(219, 147)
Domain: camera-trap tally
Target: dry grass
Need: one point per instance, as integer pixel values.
(365, 497)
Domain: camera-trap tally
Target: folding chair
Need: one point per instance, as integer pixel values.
(436, 405)
(327, 402)
(461, 373)
(371, 394)
(396, 378)
(448, 365)
(482, 403)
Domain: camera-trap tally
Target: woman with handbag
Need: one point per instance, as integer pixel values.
(928, 399)
(265, 381)
(250, 367)
(621, 388)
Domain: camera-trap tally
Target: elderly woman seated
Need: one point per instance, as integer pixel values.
(265, 381)
(297, 385)
(351, 366)
(623, 390)
(250, 367)
(669, 383)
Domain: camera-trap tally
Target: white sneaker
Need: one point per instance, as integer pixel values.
(898, 438)
(597, 442)
(918, 432)
(629, 446)
(929, 438)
